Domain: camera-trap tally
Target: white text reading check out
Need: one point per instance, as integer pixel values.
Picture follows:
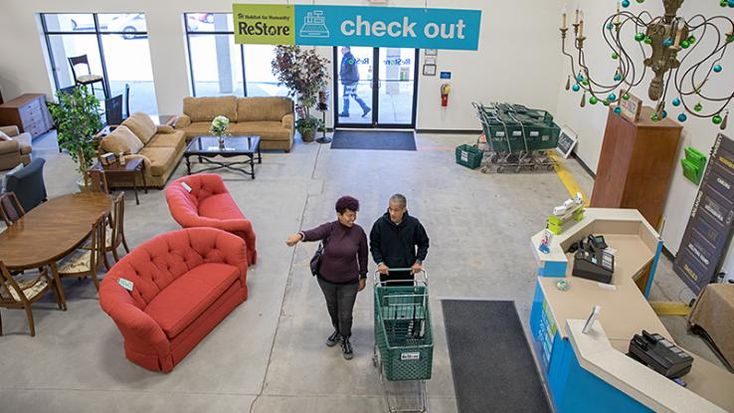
(360, 27)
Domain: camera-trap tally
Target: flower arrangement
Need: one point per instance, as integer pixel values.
(219, 127)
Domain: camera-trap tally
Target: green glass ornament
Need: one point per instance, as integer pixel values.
(648, 40)
(685, 44)
(626, 96)
(691, 39)
(717, 120)
(585, 82)
(698, 107)
(654, 117)
(723, 3)
(593, 100)
(639, 37)
(640, 1)
(615, 56)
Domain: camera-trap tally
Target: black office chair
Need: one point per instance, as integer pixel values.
(87, 79)
(113, 110)
(28, 184)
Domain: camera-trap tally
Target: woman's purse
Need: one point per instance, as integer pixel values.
(316, 259)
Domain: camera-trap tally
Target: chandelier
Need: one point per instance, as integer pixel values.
(666, 43)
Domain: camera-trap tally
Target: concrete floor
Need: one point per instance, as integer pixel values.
(268, 355)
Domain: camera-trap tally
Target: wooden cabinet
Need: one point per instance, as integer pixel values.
(28, 112)
(636, 164)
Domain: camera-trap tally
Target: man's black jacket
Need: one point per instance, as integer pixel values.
(395, 244)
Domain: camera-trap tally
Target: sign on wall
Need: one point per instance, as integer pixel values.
(312, 25)
(709, 229)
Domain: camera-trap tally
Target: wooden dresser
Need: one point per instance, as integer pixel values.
(28, 112)
(636, 164)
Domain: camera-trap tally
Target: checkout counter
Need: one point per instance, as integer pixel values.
(591, 372)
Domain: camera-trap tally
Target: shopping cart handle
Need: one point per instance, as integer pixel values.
(423, 272)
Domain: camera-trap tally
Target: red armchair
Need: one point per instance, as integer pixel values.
(183, 284)
(208, 204)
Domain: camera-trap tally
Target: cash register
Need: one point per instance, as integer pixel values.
(592, 260)
(658, 353)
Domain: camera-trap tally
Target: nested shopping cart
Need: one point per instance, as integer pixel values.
(403, 350)
(516, 137)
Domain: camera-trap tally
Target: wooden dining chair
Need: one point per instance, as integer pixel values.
(83, 263)
(88, 78)
(97, 181)
(116, 237)
(10, 208)
(17, 293)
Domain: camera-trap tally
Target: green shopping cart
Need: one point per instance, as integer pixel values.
(403, 350)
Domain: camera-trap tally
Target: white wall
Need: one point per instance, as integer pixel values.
(515, 62)
(590, 122)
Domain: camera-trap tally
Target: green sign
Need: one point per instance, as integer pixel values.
(263, 24)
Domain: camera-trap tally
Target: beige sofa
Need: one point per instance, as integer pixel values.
(15, 147)
(270, 118)
(160, 147)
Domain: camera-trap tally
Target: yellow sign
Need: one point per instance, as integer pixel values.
(264, 24)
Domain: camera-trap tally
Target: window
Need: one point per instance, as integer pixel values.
(221, 67)
(116, 45)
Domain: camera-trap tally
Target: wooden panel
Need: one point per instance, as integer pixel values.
(636, 165)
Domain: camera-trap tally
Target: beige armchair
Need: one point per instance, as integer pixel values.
(15, 147)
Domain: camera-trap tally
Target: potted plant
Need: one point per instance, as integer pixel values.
(304, 73)
(77, 117)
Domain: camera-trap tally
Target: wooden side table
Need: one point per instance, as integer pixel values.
(128, 172)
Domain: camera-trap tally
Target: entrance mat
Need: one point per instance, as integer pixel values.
(380, 140)
(491, 362)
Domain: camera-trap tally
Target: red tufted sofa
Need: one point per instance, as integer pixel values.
(209, 204)
(184, 283)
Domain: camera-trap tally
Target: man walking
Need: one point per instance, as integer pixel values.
(349, 76)
(398, 240)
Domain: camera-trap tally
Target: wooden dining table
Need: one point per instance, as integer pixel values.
(51, 231)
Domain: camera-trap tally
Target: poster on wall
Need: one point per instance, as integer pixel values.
(311, 25)
(708, 232)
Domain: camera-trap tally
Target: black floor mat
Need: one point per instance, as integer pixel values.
(491, 362)
(381, 140)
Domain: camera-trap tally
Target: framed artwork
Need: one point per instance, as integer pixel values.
(566, 142)
(429, 70)
(431, 52)
(631, 108)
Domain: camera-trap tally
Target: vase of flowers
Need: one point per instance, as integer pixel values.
(219, 128)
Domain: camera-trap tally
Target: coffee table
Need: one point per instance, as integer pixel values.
(206, 148)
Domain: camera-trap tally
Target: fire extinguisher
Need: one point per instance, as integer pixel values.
(445, 89)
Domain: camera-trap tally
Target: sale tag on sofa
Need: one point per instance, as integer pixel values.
(126, 284)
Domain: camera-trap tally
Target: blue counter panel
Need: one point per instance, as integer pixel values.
(572, 388)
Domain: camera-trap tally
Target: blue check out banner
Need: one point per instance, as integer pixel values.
(312, 25)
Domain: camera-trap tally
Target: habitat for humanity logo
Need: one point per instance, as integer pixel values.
(314, 25)
(264, 24)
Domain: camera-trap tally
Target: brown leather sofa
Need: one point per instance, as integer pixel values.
(270, 118)
(15, 147)
(160, 146)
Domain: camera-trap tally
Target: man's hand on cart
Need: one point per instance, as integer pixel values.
(382, 268)
(416, 268)
(362, 284)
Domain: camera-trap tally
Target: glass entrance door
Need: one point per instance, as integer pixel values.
(375, 87)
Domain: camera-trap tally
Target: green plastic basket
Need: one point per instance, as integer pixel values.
(469, 156)
(403, 332)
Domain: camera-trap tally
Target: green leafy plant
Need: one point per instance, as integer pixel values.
(308, 126)
(77, 117)
(305, 74)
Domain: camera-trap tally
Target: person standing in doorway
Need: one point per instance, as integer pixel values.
(349, 76)
(398, 240)
(343, 269)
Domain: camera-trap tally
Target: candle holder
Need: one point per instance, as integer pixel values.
(661, 40)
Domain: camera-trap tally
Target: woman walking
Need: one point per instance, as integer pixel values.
(343, 269)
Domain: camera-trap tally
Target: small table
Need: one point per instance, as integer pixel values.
(207, 147)
(129, 171)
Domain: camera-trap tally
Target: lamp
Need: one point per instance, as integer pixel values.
(661, 40)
